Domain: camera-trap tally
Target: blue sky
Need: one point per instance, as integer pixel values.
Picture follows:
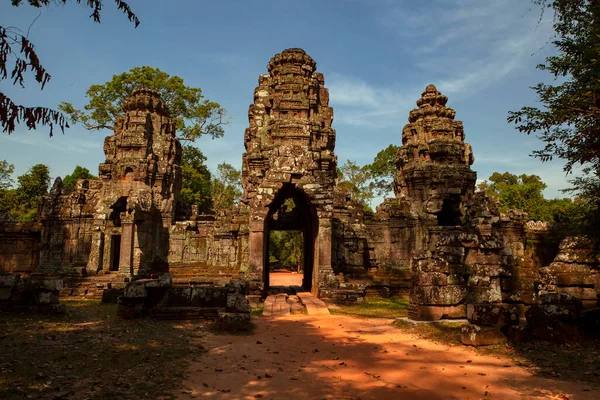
(377, 57)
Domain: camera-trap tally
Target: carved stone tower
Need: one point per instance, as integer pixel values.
(141, 180)
(289, 154)
(434, 172)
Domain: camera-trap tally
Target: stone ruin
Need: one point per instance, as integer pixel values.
(437, 241)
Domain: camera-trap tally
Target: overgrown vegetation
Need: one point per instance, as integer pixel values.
(525, 192)
(568, 120)
(91, 353)
(22, 202)
(392, 307)
(286, 250)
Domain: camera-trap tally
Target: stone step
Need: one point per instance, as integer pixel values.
(314, 305)
(276, 305)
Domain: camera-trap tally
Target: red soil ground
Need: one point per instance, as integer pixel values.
(285, 279)
(339, 357)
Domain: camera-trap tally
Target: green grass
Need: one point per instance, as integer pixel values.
(442, 332)
(92, 353)
(393, 307)
(257, 311)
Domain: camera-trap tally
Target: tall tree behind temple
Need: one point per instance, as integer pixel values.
(196, 179)
(382, 170)
(70, 181)
(226, 187)
(22, 202)
(194, 115)
(524, 192)
(13, 38)
(6, 170)
(355, 180)
(569, 120)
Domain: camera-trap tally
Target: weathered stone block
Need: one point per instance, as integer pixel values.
(518, 333)
(234, 321)
(9, 280)
(492, 314)
(112, 295)
(436, 313)
(208, 296)
(136, 289)
(439, 295)
(475, 335)
(237, 302)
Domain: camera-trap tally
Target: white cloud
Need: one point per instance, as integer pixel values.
(359, 103)
(467, 45)
(62, 144)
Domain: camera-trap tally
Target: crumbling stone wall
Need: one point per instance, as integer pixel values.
(19, 246)
(30, 294)
(437, 240)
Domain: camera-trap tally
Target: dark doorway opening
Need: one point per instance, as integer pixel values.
(120, 206)
(450, 214)
(115, 252)
(291, 223)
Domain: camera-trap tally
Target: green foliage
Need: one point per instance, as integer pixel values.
(16, 47)
(524, 192)
(382, 170)
(6, 170)
(568, 121)
(70, 181)
(193, 114)
(33, 185)
(355, 181)
(286, 249)
(196, 179)
(391, 307)
(23, 201)
(9, 201)
(226, 187)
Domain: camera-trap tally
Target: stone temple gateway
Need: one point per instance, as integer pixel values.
(437, 241)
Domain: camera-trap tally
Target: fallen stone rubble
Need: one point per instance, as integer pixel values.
(159, 298)
(30, 294)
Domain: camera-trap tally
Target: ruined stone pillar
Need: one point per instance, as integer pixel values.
(257, 249)
(95, 260)
(127, 243)
(323, 259)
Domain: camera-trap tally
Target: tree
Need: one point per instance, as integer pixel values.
(196, 178)
(70, 181)
(26, 58)
(382, 170)
(286, 249)
(6, 170)
(524, 192)
(226, 187)
(355, 180)
(569, 121)
(193, 114)
(8, 200)
(23, 201)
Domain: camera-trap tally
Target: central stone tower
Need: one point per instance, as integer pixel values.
(434, 172)
(289, 155)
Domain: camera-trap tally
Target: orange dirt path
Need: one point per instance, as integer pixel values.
(285, 279)
(339, 357)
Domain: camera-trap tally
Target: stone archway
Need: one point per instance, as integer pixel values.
(302, 218)
(289, 150)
